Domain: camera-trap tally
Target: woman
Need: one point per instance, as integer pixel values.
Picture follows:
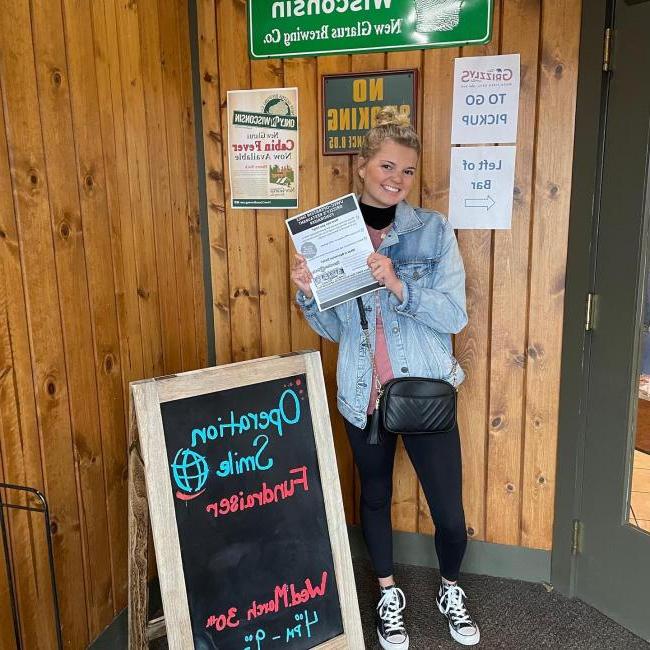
(411, 319)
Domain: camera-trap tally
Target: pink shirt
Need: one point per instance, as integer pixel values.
(382, 360)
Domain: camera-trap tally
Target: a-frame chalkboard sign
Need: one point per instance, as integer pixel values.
(235, 467)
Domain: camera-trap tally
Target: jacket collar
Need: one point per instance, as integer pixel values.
(406, 220)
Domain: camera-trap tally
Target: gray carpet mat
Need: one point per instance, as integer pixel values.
(513, 615)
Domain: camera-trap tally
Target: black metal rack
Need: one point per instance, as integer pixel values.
(5, 541)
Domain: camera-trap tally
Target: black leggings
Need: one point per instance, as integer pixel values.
(437, 462)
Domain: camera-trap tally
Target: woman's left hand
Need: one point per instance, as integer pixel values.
(382, 270)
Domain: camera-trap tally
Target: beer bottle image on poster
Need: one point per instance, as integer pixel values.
(251, 521)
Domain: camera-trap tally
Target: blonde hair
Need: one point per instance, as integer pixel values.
(390, 124)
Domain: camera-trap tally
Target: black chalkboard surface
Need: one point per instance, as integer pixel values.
(252, 527)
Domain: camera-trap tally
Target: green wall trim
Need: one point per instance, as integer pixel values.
(201, 189)
(483, 558)
(115, 636)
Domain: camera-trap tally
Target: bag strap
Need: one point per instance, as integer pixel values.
(362, 315)
(374, 433)
(365, 330)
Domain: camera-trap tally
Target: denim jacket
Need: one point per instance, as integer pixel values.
(418, 329)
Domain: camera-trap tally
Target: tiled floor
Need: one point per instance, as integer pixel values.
(640, 502)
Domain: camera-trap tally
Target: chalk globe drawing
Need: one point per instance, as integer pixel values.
(437, 15)
(190, 470)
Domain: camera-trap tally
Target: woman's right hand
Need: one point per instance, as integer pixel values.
(300, 274)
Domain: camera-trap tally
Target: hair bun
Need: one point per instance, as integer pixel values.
(389, 124)
(389, 115)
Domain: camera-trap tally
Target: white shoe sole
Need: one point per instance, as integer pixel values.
(387, 645)
(463, 640)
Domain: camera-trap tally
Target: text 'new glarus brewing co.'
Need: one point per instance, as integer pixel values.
(314, 27)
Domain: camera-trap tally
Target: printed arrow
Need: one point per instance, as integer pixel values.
(486, 203)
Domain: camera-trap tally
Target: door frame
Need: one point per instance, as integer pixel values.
(577, 362)
(580, 270)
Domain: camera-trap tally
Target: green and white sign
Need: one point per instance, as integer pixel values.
(282, 28)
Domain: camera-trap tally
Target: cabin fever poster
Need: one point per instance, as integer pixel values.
(263, 148)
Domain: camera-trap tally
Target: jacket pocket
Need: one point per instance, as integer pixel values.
(418, 270)
(451, 370)
(430, 357)
(445, 360)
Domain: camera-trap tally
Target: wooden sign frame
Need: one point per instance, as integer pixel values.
(151, 496)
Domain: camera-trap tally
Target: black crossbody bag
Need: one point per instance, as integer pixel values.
(409, 405)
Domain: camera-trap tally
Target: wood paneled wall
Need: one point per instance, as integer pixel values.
(101, 279)
(101, 272)
(515, 278)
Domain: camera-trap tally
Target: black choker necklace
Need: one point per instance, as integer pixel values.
(377, 218)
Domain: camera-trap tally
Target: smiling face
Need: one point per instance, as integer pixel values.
(388, 175)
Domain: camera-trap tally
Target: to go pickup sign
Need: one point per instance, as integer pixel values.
(283, 28)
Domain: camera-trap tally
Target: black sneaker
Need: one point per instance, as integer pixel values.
(451, 602)
(390, 625)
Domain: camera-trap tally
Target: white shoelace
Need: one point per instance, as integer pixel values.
(390, 608)
(452, 600)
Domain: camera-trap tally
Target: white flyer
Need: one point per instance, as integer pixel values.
(334, 239)
(481, 187)
(486, 99)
